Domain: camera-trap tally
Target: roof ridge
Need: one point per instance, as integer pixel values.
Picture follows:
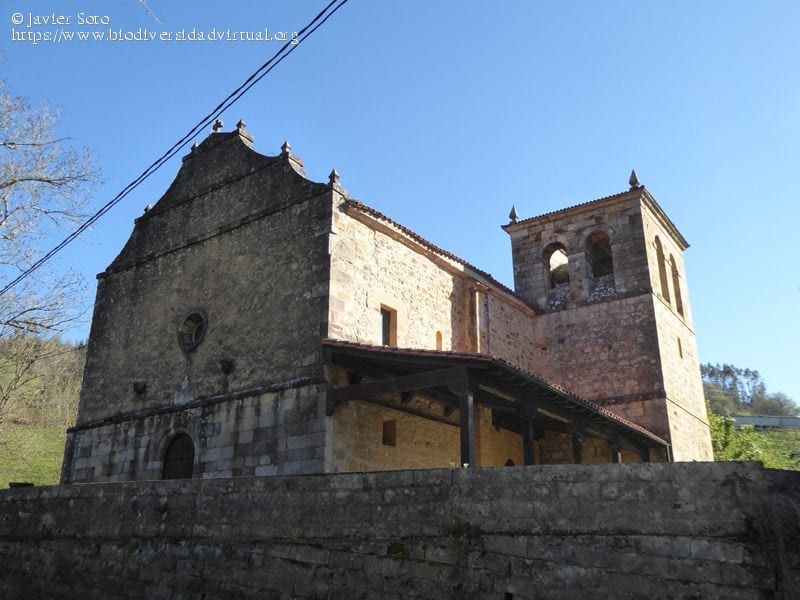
(641, 188)
(437, 249)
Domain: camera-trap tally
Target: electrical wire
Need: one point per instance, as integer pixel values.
(285, 50)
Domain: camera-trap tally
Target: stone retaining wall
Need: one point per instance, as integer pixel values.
(648, 531)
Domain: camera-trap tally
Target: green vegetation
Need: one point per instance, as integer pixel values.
(729, 391)
(38, 410)
(30, 453)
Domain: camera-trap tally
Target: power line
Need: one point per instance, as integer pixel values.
(285, 50)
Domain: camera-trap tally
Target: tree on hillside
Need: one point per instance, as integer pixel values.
(731, 390)
(44, 183)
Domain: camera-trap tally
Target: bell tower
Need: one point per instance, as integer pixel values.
(615, 325)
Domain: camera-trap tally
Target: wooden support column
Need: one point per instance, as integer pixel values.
(467, 409)
(528, 439)
(577, 444)
(616, 451)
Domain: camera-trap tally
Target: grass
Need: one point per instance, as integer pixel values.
(31, 453)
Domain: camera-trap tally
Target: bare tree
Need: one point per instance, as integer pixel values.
(44, 183)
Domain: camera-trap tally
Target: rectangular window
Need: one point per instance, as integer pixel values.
(390, 433)
(388, 326)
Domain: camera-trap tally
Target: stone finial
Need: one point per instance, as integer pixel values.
(513, 216)
(334, 181)
(634, 180)
(148, 208)
(286, 148)
(241, 129)
(194, 146)
(218, 124)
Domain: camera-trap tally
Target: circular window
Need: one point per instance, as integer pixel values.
(192, 331)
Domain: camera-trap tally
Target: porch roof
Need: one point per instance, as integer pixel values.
(509, 391)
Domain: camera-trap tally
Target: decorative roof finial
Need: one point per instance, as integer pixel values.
(148, 208)
(217, 126)
(241, 125)
(194, 146)
(286, 148)
(634, 180)
(513, 216)
(333, 178)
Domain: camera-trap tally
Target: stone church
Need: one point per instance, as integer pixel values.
(259, 323)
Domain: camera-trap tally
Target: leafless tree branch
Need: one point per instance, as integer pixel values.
(44, 183)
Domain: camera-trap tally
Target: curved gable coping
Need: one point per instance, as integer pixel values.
(128, 256)
(124, 266)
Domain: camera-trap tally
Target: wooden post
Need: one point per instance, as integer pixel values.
(577, 444)
(616, 451)
(528, 440)
(467, 426)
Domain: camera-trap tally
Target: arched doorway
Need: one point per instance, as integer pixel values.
(179, 458)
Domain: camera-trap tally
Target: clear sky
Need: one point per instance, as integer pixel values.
(442, 114)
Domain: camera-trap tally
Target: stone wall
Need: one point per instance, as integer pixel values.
(680, 364)
(649, 531)
(509, 332)
(370, 269)
(419, 443)
(376, 264)
(239, 237)
(619, 217)
(556, 449)
(242, 240)
(601, 351)
(621, 340)
(277, 432)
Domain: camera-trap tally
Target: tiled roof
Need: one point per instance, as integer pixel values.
(489, 359)
(641, 189)
(436, 249)
(568, 208)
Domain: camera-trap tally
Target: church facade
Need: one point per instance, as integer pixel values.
(259, 323)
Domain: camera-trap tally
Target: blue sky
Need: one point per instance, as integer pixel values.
(442, 114)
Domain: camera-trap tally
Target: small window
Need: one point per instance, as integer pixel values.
(438, 340)
(179, 458)
(557, 263)
(192, 331)
(680, 348)
(388, 326)
(390, 433)
(662, 270)
(598, 253)
(676, 285)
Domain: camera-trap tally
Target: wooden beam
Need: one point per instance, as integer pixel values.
(528, 439)
(577, 444)
(453, 376)
(467, 410)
